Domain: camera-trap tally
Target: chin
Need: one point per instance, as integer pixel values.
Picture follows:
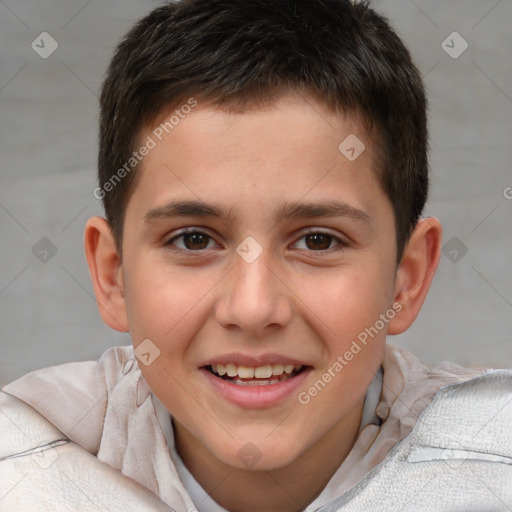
(260, 455)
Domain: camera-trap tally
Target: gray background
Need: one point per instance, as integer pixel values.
(48, 116)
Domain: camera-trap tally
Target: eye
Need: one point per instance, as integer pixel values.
(318, 241)
(191, 240)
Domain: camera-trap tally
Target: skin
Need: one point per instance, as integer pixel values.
(300, 298)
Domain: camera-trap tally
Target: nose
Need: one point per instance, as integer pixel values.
(254, 300)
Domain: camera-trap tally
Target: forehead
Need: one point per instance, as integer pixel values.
(296, 118)
(294, 147)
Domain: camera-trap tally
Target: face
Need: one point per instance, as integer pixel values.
(256, 256)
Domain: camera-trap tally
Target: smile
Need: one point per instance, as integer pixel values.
(255, 376)
(255, 382)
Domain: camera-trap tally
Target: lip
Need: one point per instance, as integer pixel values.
(252, 361)
(255, 397)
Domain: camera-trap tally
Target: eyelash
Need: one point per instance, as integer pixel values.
(341, 244)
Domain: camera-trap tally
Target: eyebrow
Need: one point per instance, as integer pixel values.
(187, 209)
(283, 211)
(315, 210)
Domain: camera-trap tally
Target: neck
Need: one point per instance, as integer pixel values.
(287, 489)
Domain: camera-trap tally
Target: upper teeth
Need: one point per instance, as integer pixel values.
(259, 372)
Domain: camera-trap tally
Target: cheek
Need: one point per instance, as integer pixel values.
(159, 298)
(348, 311)
(166, 308)
(347, 300)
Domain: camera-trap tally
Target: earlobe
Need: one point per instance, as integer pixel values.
(106, 273)
(416, 271)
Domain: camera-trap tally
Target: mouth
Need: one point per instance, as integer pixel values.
(266, 375)
(263, 382)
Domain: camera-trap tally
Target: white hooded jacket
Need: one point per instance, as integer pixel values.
(92, 436)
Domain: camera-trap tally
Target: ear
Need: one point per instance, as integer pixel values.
(106, 273)
(415, 273)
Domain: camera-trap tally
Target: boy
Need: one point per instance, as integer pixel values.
(263, 168)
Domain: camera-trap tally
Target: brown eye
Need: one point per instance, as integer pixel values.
(192, 241)
(196, 241)
(318, 241)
